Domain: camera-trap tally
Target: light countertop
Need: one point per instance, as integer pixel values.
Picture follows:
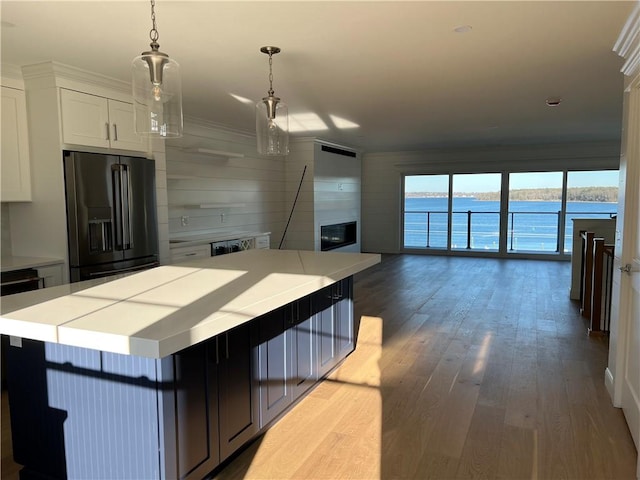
(160, 311)
(186, 240)
(11, 263)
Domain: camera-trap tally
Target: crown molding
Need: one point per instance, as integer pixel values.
(196, 126)
(54, 74)
(628, 43)
(11, 76)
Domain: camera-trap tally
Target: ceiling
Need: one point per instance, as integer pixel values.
(381, 76)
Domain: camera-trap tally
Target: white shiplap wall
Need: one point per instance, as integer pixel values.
(162, 208)
(248, 189)
(382, 177)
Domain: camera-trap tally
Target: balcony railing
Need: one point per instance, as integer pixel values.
(527, 231)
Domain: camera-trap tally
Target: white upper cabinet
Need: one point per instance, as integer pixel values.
(16, 169)
(98, 122)
(123, 134)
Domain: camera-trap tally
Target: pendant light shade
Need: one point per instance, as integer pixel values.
(272, 117)
(157, 90)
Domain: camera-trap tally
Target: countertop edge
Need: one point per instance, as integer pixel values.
(12, 263)
(217, 324)
(174, 243)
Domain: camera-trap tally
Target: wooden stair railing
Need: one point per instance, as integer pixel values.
(586, 274)
(601, 287)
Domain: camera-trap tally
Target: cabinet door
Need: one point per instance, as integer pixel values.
(263, 241)
(304, 363)
(344, 317)
(274, 360)
(326, 328)
(16, 169)
(85, 119)
(237, 389)
(196, 410)
(123, 133)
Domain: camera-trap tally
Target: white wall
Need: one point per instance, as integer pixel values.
(330, 192)
(248, 190)
(39, 227)
(382, 177)
(5, 241)
(337, 180)
(301, 231)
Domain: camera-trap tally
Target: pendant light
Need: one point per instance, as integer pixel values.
(157, 94)
(272, 118)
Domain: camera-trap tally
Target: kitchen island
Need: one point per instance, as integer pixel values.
(167, 372)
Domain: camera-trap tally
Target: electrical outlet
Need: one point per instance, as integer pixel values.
(184, 220)
(222, 218)
(340, 187)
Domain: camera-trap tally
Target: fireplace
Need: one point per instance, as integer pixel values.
(337, 235)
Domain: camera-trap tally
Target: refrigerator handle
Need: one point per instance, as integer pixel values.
(116, 177)
(125, 212)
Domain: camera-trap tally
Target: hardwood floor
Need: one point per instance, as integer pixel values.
(464, 368)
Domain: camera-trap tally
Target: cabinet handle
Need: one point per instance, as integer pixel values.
(226, 337)
(190, 254)
(107, 128)
(115, 132)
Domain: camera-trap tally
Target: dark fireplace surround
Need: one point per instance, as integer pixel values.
(337, 235)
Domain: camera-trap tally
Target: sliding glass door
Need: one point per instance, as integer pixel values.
(464, 212)
(535, 208)
(426, 211)
(476, 212)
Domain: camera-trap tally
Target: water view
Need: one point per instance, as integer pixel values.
(532, 225)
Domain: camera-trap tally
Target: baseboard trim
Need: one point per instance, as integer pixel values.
(608, 382)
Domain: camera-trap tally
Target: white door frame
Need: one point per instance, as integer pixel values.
(624, 354)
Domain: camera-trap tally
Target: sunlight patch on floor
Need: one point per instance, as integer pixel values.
(322, 438)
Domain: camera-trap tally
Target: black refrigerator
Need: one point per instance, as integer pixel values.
(111, 214)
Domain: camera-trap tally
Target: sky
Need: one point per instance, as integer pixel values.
(490, 182)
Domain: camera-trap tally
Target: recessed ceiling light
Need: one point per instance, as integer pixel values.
(553, 101)
(463, 29)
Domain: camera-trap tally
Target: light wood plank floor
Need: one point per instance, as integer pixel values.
(465, 368)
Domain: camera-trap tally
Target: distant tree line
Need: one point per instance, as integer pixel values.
(576, 194)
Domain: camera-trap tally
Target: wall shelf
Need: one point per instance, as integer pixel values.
(210, 205)
(174, 176)
(213, 153)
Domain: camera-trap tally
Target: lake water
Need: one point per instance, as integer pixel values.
(533, 226)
